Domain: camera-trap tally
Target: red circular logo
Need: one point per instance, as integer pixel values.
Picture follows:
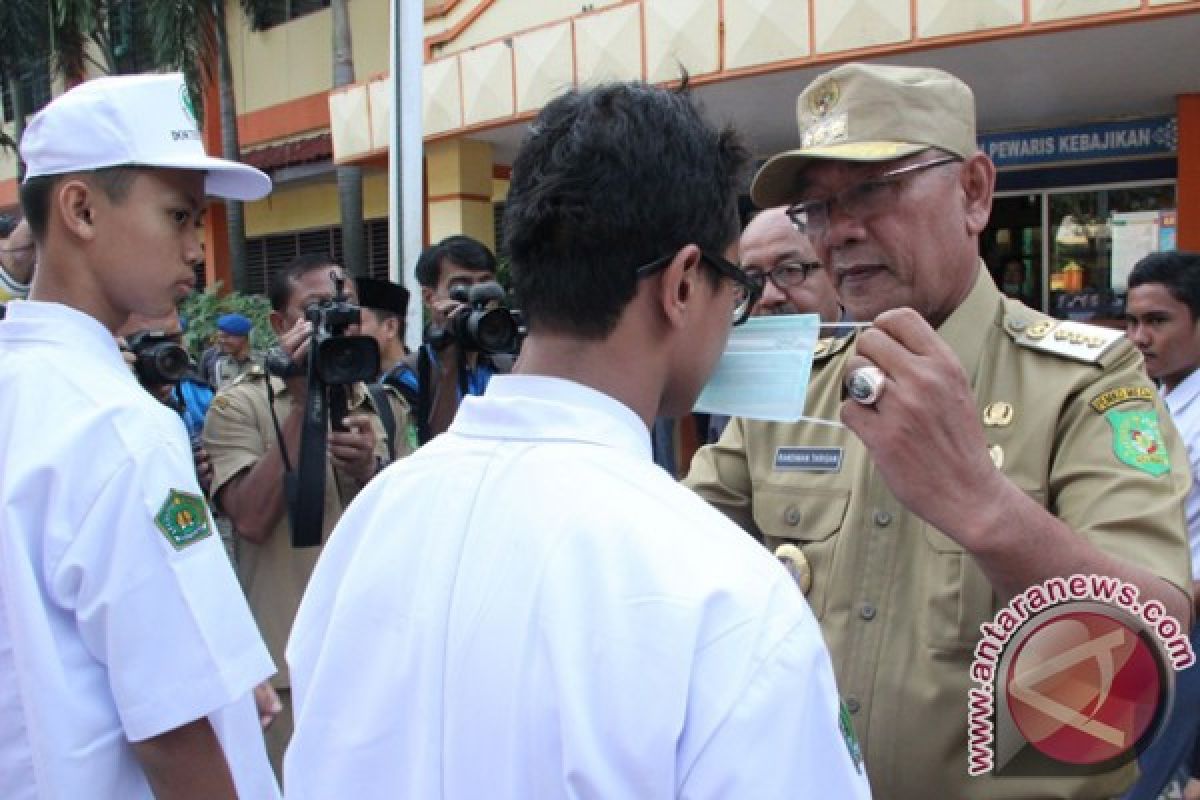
(1084, 687)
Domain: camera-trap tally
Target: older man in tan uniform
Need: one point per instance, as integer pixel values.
(243, 444)
(990, 461)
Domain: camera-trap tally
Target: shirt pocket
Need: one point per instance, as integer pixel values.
(808, 518)
(959, 597)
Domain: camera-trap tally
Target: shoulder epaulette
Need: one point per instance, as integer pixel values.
(1077, 341)
(253, 373)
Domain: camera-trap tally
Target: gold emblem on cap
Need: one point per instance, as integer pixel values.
(997, 454)
(822, 100)
(796, 562)
(1039, 330)
(1062, 334)
(998, 414)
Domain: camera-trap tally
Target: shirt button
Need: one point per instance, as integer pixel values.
(852, 704)
(867, 611)
(792, 516)
(883, 519)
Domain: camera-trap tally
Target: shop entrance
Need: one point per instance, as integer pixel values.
(1068, 251)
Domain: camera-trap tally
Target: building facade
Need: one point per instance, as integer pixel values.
(1090, 108)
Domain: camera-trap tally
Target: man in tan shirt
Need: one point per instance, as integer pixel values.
(986, 465)
(248, 469)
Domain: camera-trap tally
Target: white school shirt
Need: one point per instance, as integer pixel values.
(108, 633)
(1184, 404)
(528, 607)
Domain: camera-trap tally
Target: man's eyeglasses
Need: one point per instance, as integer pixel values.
(748, 288)
(861, 201)
(787, 275)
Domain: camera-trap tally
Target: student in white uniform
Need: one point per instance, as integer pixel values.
(127, 652)
(529, 607)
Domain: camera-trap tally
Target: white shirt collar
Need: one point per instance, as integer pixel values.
(54, 323)
(1184, 394)
(540, 408)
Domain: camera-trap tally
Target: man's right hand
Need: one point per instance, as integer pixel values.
(296, 342)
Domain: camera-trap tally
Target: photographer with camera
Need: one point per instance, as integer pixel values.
(155, 352)
(253, 435)
(458, 286)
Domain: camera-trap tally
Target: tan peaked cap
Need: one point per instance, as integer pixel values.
(870, 112)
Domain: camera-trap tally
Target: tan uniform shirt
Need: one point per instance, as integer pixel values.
(900, 604)
(227, 369)
(237, 432)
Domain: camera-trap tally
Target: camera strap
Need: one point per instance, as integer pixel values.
(425, 390)
(383, 409)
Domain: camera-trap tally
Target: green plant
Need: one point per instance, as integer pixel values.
(201, 310)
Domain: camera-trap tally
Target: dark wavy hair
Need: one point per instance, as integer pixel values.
(607, 179)
(1178, 270)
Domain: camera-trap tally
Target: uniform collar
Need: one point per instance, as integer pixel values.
(544, 409)
(962, 329)
(55, 323)
(1184, 394)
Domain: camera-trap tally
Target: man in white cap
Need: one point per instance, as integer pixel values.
(127, 652)
(988, 450)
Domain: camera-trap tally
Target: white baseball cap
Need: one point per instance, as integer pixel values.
(131, 120)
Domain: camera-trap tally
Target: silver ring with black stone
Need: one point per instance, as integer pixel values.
(865, 385)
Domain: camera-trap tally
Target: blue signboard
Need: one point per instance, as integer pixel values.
(1104, 140)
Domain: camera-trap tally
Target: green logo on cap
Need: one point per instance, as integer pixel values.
(185, 100)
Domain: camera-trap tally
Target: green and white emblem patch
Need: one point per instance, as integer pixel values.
(1138, 440)
(183, 519)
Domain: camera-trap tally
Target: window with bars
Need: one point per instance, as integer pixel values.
(282, 11)
(267, 255)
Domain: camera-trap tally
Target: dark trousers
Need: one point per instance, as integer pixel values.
(1176, 743)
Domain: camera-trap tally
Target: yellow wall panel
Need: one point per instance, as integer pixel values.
(1044, 10)
(504, 17)
(542, 63)
(296, 59)
(487, 83)
(849, 24)
(608, 46)
(942, 17)
(349, 122)
(459, 166)
(453, 217)
(764, 31)
(313, 205)
(441, 107)
(680, 32)
(293, 208)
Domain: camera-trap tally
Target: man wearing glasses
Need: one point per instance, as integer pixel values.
(528, 606)
(782, 259)
(17, 259)
(982, 455)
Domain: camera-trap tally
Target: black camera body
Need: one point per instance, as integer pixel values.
(159, 359)
(340, 359)
(487, 325)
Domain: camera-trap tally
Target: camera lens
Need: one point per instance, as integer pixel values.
(170, 362)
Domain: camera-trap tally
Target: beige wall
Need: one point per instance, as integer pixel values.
(296, 59)
(312, 205)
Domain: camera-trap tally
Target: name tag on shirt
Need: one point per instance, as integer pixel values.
(809, 459)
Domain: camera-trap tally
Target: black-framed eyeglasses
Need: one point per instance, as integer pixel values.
(787, 275)
(748, 288)
(862, 200)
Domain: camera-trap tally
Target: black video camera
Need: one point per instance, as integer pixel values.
(159, 358)
(335, 361)
(340, 359)
(486, 326)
